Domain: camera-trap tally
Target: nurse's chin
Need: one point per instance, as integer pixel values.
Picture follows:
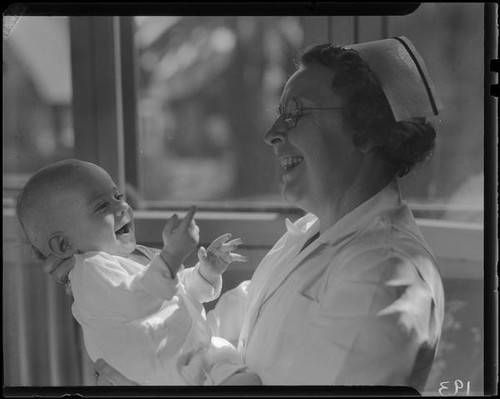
(292, 198)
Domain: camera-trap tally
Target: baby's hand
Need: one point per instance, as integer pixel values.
(180, 238)
(216, 258)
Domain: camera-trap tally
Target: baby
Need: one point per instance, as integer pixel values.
(140, 309)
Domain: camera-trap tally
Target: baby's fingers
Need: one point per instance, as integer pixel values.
(238, 258)
(171, 224)
(219, 241)
(231, 245)
(202, 253)
(51, 263)
(186, 221)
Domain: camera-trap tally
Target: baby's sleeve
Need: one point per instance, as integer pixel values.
(148, 350)
(103, 288)
(140, 337)
(100, 281)
(198, 287)
(157, 279)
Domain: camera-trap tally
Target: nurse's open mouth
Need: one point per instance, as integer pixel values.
(290, 162)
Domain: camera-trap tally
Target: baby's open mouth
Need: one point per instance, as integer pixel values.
(124, 230)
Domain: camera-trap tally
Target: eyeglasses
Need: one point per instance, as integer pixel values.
(294, 110)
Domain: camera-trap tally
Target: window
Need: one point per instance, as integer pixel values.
(450, 38)
(209, 87)
(37, 117)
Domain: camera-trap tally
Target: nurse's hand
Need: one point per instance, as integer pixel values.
(107, 375)
(59, 269)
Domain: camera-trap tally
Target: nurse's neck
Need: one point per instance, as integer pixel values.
(330, 211)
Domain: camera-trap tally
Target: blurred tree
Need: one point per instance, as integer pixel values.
(218, 81)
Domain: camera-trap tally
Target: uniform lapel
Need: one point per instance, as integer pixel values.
(272, 271)
(282, 273)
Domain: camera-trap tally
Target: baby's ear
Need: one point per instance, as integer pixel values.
(60, 246)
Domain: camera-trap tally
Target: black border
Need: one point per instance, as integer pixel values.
(213, 8)
(490, 204)
(217, 391)
(304, 8)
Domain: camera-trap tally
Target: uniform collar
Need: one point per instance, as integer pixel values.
(384, 201)
(305, 224)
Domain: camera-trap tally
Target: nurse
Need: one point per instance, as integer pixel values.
(351, 293)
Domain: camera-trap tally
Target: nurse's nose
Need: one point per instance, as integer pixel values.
(277, 133)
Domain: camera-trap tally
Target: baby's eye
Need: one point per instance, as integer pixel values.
(118, 196)
(102, 206)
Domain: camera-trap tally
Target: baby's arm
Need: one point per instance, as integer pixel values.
(180, 237)
(216, 258)
(204, 280)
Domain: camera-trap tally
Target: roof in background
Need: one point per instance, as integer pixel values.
(42, 45)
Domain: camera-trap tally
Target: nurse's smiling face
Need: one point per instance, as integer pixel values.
(318, 158)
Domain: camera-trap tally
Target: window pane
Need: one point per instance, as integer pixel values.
(37, 119)
(40, 347)
(450, 37)
(209, 89)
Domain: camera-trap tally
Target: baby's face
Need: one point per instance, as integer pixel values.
(94, 215)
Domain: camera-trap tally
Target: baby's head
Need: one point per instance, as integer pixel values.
(74, 207)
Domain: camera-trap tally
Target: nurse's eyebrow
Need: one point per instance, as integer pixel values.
(282, 105)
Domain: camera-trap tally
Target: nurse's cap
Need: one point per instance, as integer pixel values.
(403, 76)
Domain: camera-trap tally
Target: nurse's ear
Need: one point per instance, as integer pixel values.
(60, 245)
(363, 143)
(366, 146)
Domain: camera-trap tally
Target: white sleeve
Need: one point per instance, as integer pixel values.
(148, 350)
(226, 319)
(157, 279)
(126, 327)
(103, 286)
(367, 325)
(223, 360)
(393, 315)
(197, 286)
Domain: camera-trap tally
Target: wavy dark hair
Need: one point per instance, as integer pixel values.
(401, 144)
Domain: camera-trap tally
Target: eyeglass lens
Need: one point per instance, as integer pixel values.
(291, 113)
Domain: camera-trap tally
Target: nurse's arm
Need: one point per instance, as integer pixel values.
(387, 309)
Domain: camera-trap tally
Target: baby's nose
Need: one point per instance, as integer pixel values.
(120, 208)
